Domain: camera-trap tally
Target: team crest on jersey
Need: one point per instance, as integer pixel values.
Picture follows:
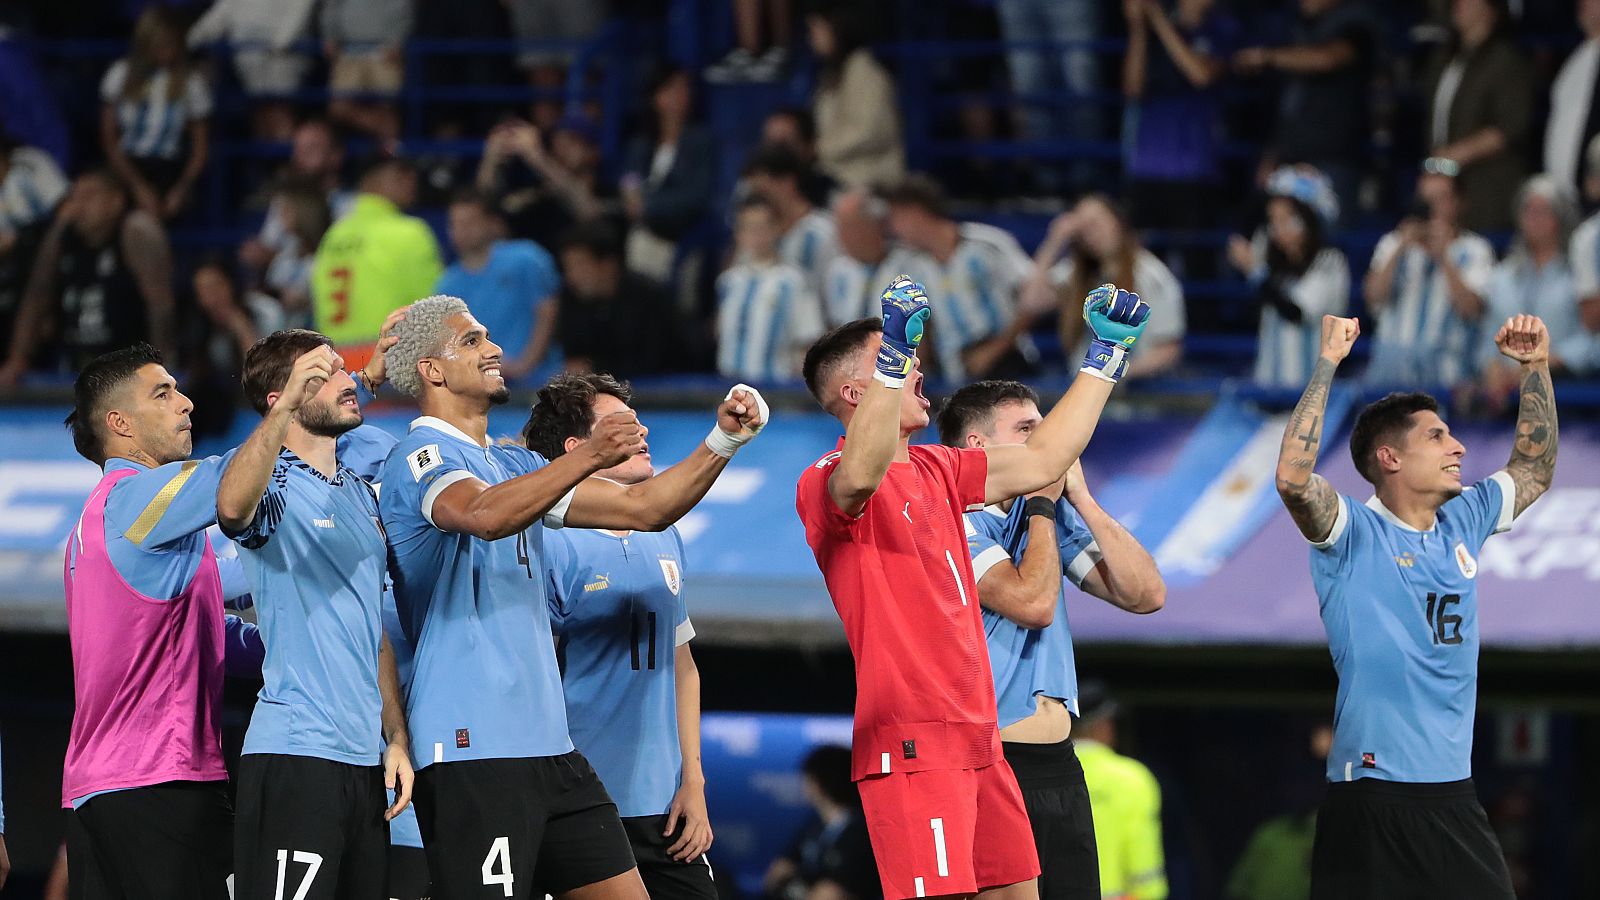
(673, 577)
(424, 460)
(1469, 566)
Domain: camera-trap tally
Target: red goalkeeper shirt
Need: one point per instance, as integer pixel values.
(901, 578)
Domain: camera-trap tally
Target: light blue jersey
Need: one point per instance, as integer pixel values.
(484, 683)
(363, 450)
(403, 829)
(506, 294)
(1029, 661)
(619, 615)
(316, 559)
(1401, 610)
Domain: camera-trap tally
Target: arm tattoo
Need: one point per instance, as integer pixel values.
(1533, 455)
(1310, 499)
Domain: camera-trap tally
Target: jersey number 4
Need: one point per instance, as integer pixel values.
(1446, 628)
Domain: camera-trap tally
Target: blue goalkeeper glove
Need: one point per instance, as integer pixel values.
(905, 315)
(1116, 319)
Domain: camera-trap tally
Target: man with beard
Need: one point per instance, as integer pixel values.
(144, 773)
(312, 808)
(507, 807)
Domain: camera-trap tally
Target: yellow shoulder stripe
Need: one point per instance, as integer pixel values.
(157, 508)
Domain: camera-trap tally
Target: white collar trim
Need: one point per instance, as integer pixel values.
(438, 424)
(1388, 515)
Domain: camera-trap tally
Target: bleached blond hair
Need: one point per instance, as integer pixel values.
(422, 334)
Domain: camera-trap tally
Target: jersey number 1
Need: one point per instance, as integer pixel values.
(1446, 628)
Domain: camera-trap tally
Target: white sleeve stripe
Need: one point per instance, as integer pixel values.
(987, 560)
(1508, 500)
(1341, 520)
(685, 633)
(556, 517)
(437, 488)
(1084, 563)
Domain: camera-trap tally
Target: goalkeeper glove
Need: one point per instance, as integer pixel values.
(1116, 319)
(905, 315)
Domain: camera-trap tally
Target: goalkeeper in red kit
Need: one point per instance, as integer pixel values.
(884, 519)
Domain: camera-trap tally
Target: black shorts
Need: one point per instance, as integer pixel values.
(309, 828)
(171, 841)
(664, 877)
(408, 873)
(518, 828)
(1383, 840)
(1057, 799)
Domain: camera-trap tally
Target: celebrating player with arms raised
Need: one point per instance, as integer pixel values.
(884, 520)
(504, 802)
(1396, 580)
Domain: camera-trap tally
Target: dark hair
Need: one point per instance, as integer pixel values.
(754, 200)
(98, 381)
(775, 160)
(661, 75)
(849, 35)
(829, 766)
(1278, 261)
(378, 162)
(483, 200)
(269, 360)
(109, 178)
(564, 409)
(804, 121)
(920, 191)
(1383, 422)
(598, 237)
(834, 348)
(976, 403)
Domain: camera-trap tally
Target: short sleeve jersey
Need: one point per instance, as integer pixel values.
(901, 580)
(1401, 610)
(484, 683)
(618, 608)
(315, 556)
(1029, 662)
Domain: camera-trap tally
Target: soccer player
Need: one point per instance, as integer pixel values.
(884, 521)
(506, 806)
(623, 632)
(312, 809)
(1395, 578)
(1020, 550)
(144, 773)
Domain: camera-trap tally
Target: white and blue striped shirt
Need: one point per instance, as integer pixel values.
(853, 289)
(1421, 337)
(32, 187)
(974, 293)
(1287, 351)
(809, 246)
(766, 318)
(152, 124)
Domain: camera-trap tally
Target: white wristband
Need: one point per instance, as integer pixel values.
(893, 381)
(1098, 373)
(724, 444)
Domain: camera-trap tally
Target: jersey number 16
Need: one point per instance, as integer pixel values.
(1446, 628)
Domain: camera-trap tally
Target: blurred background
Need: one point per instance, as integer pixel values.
(685, 192)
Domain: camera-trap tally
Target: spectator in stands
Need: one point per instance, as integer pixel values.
(1426, 289)
(1480, 94)
(667, 182)
(102, 280)
(261, 35)
(1535, 279)
(868, 261)
(511, 285)
(794, 127)
(809, 239)
(610, 319)
(973, 273)
(767, 314)
(831, 858)
(216, 341)
(1574, 113)
(280, 258)
(750, 60)
(1174, 158)
(857, 117)
(1584, 259)
(364, 41)
(154, 121)
(1324, 103)
(373, 261)
(1101, 246)
(1039, 75)
(1127, 801)
(1297, 277)
(552, 20)
(31, 186)
(544, 192)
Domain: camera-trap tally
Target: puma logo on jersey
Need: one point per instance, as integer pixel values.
(1406, 560)
(828, 460)
(907, 512)
(323, 523)
(1464, 560)
(600, 583)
